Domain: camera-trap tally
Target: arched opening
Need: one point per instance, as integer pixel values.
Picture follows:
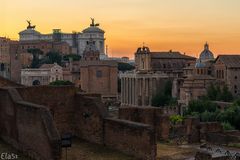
(36, 83)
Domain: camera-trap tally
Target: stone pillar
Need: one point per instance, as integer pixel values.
(140, 90)
(122, 90)
(150, 91)
(134, 92)
(143, 91)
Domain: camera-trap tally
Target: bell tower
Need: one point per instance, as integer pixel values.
(143, 59)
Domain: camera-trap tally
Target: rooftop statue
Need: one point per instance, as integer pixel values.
(30, 26)
(93, 23)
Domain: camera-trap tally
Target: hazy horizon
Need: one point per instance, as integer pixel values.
(179, 25)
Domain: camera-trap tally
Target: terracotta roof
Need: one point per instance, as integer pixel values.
(170, 55)
(231, 61)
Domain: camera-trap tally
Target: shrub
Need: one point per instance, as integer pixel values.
(174, 119)
(227, 126)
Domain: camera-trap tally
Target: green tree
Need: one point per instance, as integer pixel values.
(53, 57)
(201, 106)
(227, 126)
(160, 99)
(211, 92)
(226, 94)
(125, 67)
(74, 57)
(36, 54)
(164, 97)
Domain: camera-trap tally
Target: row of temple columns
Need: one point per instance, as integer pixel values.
(137, 91)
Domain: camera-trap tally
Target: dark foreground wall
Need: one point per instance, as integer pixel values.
(28, 127)
(34, 128)
(130, 137)
(59, 100)
(148, 115)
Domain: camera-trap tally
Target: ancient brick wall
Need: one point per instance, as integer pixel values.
(130, 137)
(147, 115)
(28, 127)
(59, 100)
(193, 129)
(7, 83)
(210, 127)
(222, 138)
(33, 128)
(89, 115)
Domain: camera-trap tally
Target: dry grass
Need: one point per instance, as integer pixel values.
(82, 150)
(172, 152)
(5, 148)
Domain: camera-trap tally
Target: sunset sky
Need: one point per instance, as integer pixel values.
(180, 25)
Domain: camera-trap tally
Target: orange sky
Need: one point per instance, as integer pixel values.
(182, 25)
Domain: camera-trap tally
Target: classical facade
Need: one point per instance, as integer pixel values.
(153, 69)
(137, 89)
(225, 69)
(77, 40)
(44, 75)
(196, 79)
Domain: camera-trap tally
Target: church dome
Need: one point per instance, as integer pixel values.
(200, 64)
(204, 57)
(206, 54)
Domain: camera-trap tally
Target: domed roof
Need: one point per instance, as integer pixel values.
(206, 54)
(93, 29)
(29, 31)
(200, 64)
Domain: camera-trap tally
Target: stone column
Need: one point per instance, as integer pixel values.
(147, 91)
(127, 81)
(122, 90)
(136, 91)
(143, 91)
(150, 91)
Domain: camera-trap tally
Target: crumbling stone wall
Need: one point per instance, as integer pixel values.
(59, 100)
(83, 115)
(8, 83)
(148, 115)
(130, 136)
(28, 127)
(210, 127)
(89, 117)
